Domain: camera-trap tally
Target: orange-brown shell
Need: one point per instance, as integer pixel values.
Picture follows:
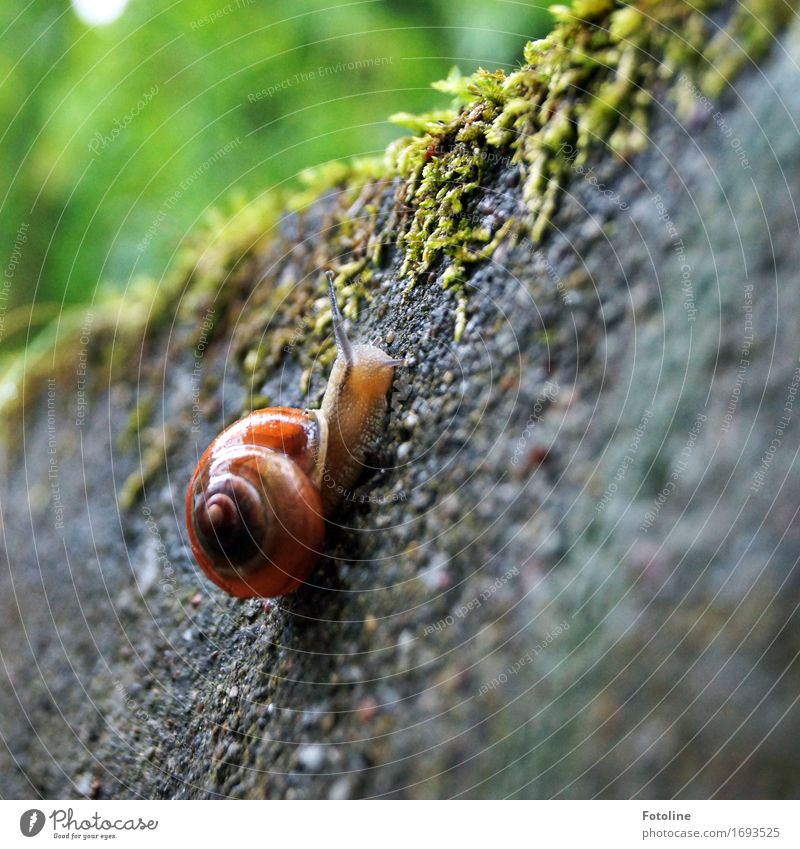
(275, 452)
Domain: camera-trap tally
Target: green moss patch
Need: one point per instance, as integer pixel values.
(588, 85)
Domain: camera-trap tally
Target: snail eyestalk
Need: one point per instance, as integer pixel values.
(342, 342)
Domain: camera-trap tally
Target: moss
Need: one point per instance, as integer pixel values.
(750, 32)
(461, 317)
(586, 85)
(347, 176)
(156, 444)
(54, 352)
(589, 84)
(138, 419)
(121, 321)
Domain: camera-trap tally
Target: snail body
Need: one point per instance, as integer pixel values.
(259, 497)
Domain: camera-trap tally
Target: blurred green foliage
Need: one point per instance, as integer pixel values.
(116, 139)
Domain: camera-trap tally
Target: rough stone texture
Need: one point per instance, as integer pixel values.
(489, 620)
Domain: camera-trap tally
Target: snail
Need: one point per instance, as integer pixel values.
(259, 498)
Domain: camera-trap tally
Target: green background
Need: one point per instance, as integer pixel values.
(168, 85)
